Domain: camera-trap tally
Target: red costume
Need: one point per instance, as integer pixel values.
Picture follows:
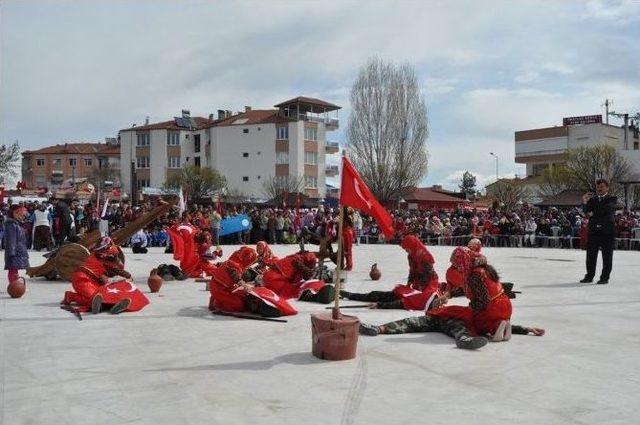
(265, 256)
(422, 285)
(92, 279)
(289, 276)
(228, 294)
(185, 249)
(488, 304)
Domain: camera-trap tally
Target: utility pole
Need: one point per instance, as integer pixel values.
(606, 105)
(496, 157)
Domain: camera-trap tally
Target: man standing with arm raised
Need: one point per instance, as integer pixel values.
(600, 209)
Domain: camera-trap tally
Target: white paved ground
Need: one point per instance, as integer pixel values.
(173, 363)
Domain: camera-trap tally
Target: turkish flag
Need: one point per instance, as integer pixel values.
(121, 289)
(355, 193)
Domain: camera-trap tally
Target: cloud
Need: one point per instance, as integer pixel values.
(83, 70)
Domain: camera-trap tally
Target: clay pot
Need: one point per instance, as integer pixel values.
(334, 339)
(17, 288)
(375, 274)
(154, 281)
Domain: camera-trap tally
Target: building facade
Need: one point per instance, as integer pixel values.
(49, 167)
(544, 147)
(247, 148)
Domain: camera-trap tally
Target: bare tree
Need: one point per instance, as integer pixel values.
(586, 164)
(388, 129)
(107, 172)
(198, 183)
(554, 180)
(509, 194)
(9, 156)
(274, 187)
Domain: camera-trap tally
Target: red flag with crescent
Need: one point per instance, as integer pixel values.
(355, 193)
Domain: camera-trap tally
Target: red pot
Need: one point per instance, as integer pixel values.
(154, 281)
(375, 274)
(17, 288)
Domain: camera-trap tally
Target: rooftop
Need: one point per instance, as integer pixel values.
(326, 106)
(432, 194)
(200, 123)
(254, 116)
(81, 148)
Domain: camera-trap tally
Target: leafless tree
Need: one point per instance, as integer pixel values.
(388, 129)
(554, 180)
(586, 164)
(509, 194)
(107, 172)
(275, 186)
(9, 156)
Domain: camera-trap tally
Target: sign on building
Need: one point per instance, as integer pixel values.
(585, 119)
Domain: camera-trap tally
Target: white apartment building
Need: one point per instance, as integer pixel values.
(543, 147)
(247, 148)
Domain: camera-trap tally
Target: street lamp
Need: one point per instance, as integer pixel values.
(496, 157)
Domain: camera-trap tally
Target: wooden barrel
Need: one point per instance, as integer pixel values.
(334, 339)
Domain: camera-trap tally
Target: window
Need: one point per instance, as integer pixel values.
(196, 143)
(311, 158)
(57, 163)
(282, 133)
(142, 139)
(142, 183)
(88, 162)
(245, 154)
(40, 162)
(173, 138)
(310, 181)
(142, 162)
(538, 169)
(196, 161)
(245, 179)
(282, 157)
(73, 162)
(102, 162)
(311, 133)
(281, 181)
(245, 130)
(41, 181)
(174, 162)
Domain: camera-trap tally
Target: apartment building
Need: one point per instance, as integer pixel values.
(541, 148)
(248, 147)
(49, 167)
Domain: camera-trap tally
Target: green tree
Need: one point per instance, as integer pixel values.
(468, 184)
(198, 183)
(273, 187)
(555, 180)
(509, 194)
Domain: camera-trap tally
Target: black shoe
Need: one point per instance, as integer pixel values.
(467, 342)
(369, 330)
(120, 306)
(602, 281)
(587, 280)
(326, 295)
(96, 304)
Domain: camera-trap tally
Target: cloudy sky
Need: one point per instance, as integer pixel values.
(77, 71)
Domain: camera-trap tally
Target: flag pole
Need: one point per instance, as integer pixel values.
(336, 306)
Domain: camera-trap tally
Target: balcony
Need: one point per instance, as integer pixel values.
(329, 123)
(332, 147)
(331, 170)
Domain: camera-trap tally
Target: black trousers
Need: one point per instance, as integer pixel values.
(596, 242)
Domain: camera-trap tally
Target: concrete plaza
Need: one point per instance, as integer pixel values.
(175, 363)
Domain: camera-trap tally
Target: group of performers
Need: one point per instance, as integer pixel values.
(255, 281)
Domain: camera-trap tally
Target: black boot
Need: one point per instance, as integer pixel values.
(324, 295)
(96, 304)
(120, 306)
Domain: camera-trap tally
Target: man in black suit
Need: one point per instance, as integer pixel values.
(600, 209)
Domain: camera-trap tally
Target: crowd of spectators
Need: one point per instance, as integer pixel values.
(51, 223)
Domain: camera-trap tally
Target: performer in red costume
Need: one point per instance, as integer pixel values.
(229, 293)
(265, 257)
(207, 252)
(289, 278)
(348, 237)
(421, 290)
(488, 313)
(94, 293)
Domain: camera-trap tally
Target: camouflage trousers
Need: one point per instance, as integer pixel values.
(453, 327)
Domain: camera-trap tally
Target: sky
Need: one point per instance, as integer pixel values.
(82, 70)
